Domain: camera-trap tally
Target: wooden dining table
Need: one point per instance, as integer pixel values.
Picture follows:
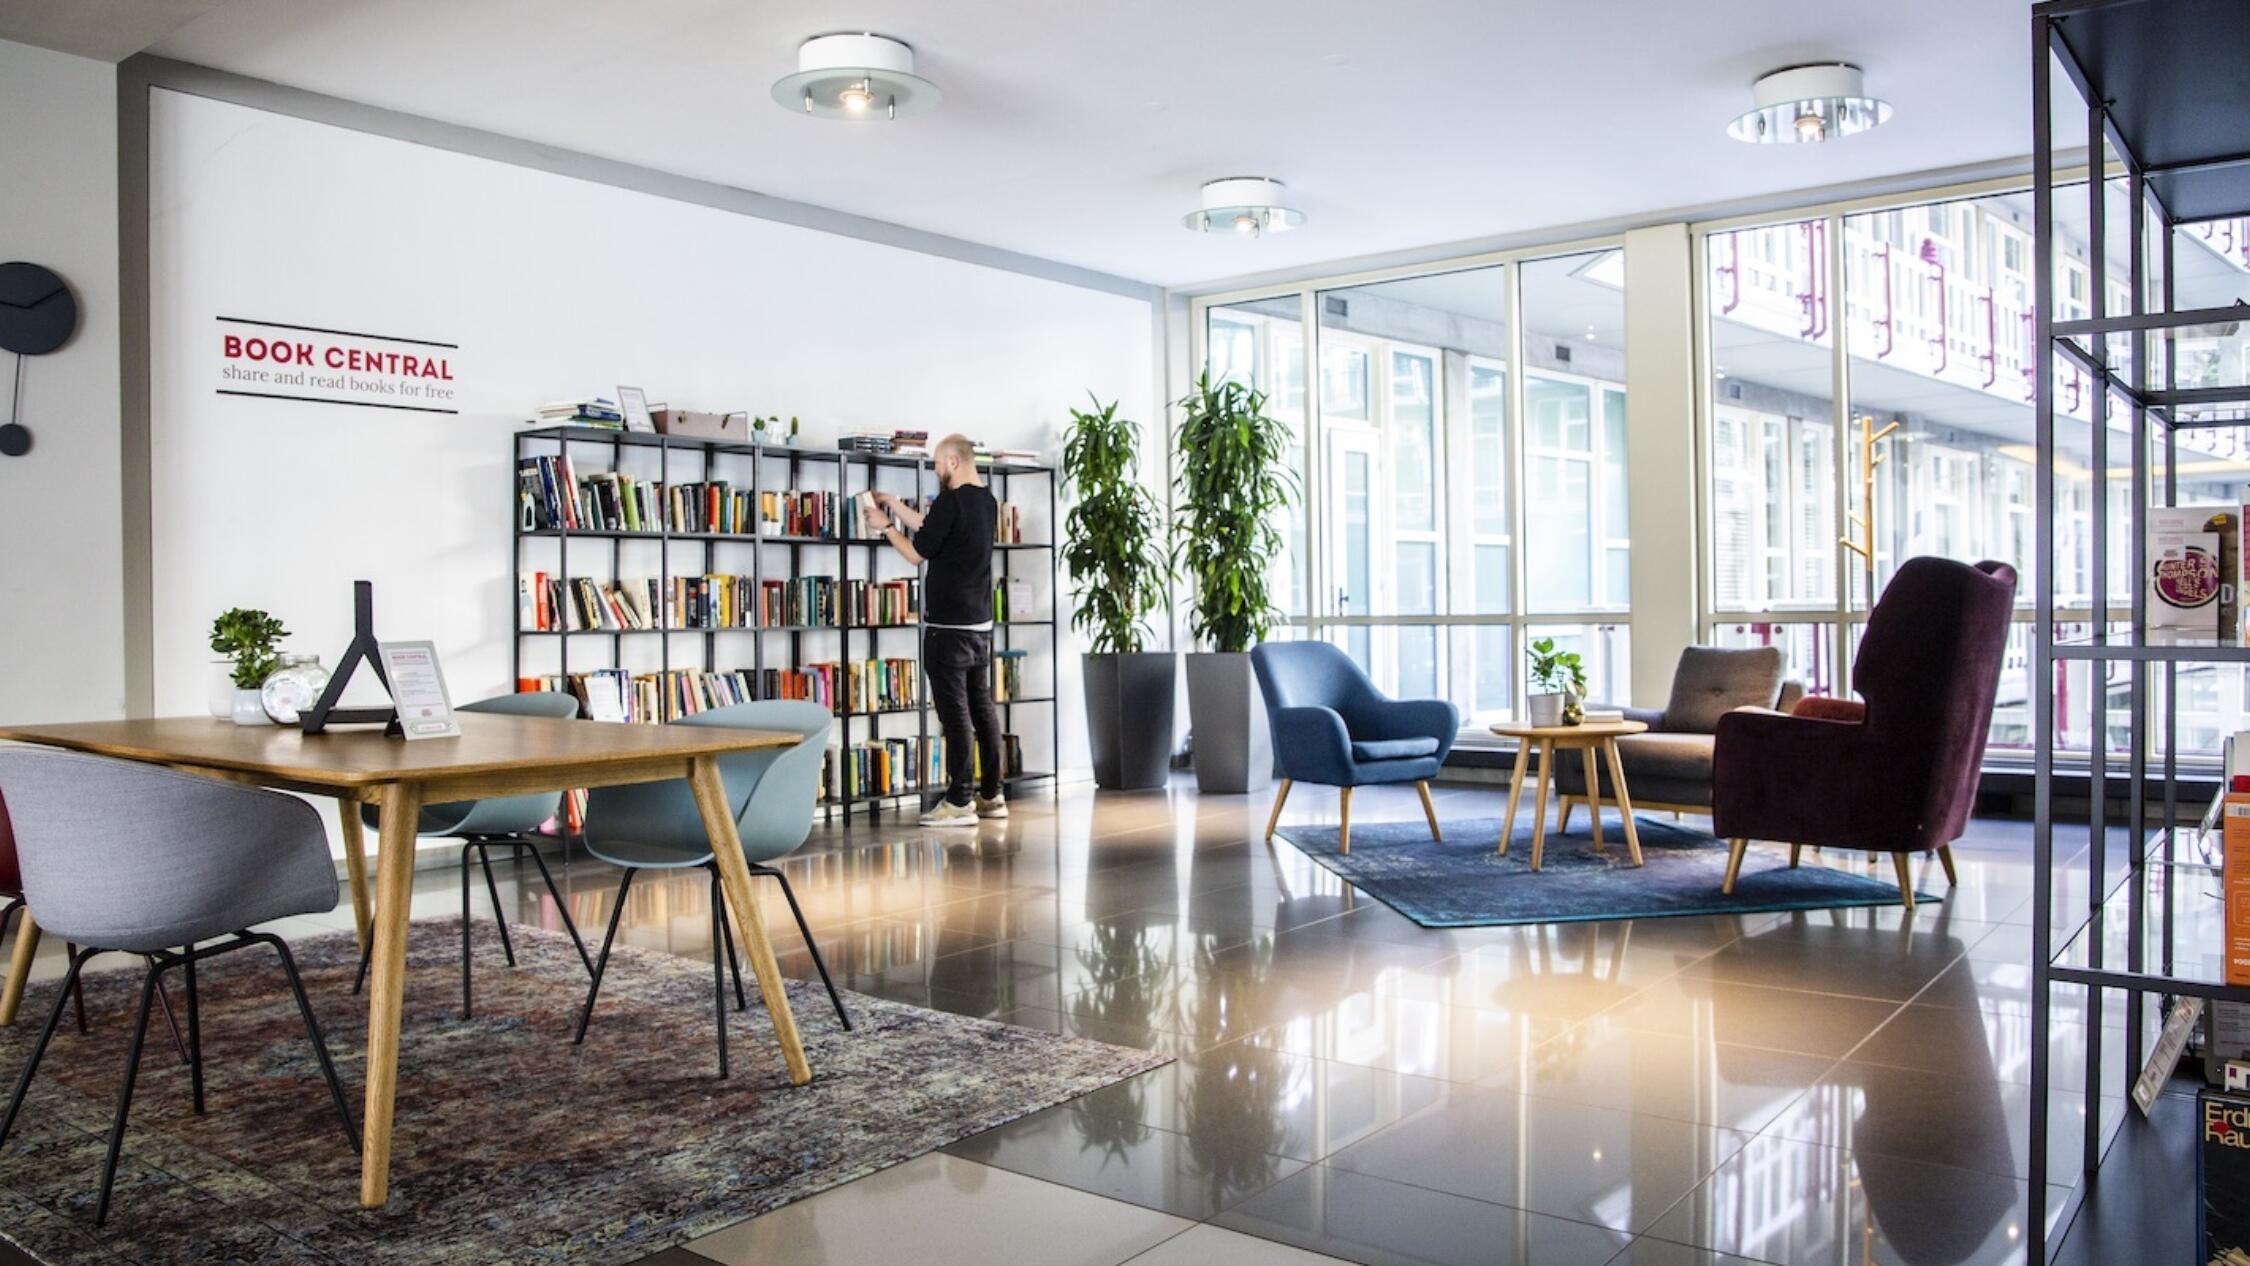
(494, 755)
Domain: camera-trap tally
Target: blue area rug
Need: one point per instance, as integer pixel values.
(1464, 882)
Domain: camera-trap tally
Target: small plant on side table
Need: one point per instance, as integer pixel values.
(1560, 677)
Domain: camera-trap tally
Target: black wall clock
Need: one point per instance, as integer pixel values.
(37, 315)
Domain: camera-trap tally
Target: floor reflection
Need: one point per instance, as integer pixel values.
(1822, 1086)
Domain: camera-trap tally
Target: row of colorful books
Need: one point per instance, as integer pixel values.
(1007, 675)
(898, 766)
(551, 495)
(882, 685)
(545, 604)
(614, 694)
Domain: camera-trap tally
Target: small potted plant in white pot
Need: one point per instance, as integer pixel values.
(249, 639)
(1559, 682)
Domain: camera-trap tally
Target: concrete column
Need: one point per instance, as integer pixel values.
(1660, 448)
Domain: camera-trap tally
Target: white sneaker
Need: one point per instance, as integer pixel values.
(947, 813)
(997, 807)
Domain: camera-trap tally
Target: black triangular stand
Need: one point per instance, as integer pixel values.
(362, 650)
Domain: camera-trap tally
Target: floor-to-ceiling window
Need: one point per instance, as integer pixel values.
(1917, 317)
(1420, 481)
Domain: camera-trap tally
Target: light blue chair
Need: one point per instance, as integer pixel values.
(483, 825)
(656, 826)
(138, 859)
(1333, 727)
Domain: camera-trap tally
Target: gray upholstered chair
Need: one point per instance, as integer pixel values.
(1669, 767)
(656, 826)
(119, 856)
(483, 825)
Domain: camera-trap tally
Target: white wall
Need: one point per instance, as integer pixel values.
(61, 585)
(551, 287)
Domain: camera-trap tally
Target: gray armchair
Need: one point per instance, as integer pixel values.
(1670, 766)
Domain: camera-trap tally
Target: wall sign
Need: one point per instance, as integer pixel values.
(323, 366)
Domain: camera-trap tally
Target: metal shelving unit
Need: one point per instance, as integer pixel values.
(774, 467)
(2165, 85)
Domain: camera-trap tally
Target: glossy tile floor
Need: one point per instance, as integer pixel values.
(1823, 1087)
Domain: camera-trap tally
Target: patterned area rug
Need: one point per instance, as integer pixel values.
(511, 1144)
(1464, 882)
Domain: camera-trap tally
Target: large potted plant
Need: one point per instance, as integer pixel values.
(1113, 545)
(1227, 501)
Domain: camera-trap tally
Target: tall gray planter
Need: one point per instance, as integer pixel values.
(1233, 750)
(1129, 718)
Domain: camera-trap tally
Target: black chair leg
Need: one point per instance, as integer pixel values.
(39, 1048)
(171, 1019)
(718, 967)
(499, 912)
(194, 1050)
(601, 964)
(125, 1093)
(312, 1030)
(734, 964)
(77, 989)
(366, 956)
(790, 894)
(562, 906)
(467, 927)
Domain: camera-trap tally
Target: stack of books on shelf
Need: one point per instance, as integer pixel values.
(864, 442)
(551, 495)
(1007, 675)
(858, 523)
(1007, 529)
(1011, 599)
(794, 513)
(718, 601)
(880, 767)
(589, 411)
(1013, 456)
(614, 694)
(911, 443)
(881, 685)
(880, 604)
(815, 681)
(797, 602)
(1011, 760)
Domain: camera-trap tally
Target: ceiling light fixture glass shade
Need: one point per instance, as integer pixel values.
(855, 76)
(1809, 104)
(1249, 205)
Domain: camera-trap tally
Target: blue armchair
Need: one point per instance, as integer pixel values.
(1332, 727)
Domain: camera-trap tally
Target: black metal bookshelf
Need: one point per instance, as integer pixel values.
(2166, 92)
(775, 468)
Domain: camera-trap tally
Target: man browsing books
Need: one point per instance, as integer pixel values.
(954, 539)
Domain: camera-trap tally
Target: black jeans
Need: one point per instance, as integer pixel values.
(958, 663)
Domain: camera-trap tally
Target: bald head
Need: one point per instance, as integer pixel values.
(955, 460)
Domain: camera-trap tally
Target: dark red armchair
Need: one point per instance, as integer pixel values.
(1896, 773)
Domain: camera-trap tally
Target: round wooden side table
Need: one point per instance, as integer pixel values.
(1587, 739)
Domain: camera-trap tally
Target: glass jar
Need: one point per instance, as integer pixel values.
(294, 687)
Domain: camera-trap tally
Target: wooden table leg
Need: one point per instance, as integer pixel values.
(355, 864)
(1593, 792)
(1623, 797)
(394, 897)
(750, 924)
(1539, 806)
(1515, 793)
(19, 969)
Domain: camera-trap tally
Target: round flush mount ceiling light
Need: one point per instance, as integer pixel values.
(1808, 104)
(855, 76)
(1249, 205)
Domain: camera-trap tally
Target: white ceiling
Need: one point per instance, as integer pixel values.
(1079, 132)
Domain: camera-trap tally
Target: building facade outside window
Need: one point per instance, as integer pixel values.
(1931, 307)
